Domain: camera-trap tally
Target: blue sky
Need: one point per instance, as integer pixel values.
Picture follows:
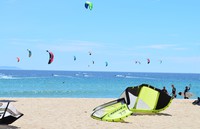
(119, 32)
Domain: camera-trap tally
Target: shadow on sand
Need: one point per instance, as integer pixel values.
(8, 127)
(8, 101)
(144, 114)
(154, 114)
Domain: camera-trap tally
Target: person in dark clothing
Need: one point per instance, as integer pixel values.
(187, 88)
(197, 102)
(164, 90)
(173, 91)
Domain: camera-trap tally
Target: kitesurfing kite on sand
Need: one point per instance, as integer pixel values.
(143, 98)
(8, 113)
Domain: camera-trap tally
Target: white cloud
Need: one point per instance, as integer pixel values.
(197, 44)
(164, 46)
(70, 46)
(180, 48)
(10, 1)
(190, 59)
(160, 46)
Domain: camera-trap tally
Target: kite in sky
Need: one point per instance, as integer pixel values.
(74, 58)
(29, 53)
(90, 53)
(18, 59)
(137, 62)
(106, 63)
(148, 61)
(51, 57)
(160, 61)
(89, 5)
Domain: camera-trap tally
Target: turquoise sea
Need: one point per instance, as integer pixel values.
(84, 84)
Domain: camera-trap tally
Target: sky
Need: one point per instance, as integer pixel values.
(119, 32)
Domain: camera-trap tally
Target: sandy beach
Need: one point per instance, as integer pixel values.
(71, 113)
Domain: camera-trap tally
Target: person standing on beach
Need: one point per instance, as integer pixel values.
(187, 88)
(173, 91)
(164, 90)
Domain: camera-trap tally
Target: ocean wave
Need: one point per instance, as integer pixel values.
(83, 75)
(149, 78)
(86, 75)
(2, 76)
(55, 75)
(46, 93)
(120, 76)
(131, 77)
(134, 77)
(60, 75)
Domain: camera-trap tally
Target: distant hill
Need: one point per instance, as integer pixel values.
(9, 68)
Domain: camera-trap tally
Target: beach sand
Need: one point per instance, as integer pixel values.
(74, 113)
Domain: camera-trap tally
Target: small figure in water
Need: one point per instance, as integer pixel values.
(187, 88)
(164, 90)
(173, 91)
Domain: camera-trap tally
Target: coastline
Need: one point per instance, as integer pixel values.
(74, 113)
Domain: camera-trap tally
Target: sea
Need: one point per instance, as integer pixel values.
(88, 84)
